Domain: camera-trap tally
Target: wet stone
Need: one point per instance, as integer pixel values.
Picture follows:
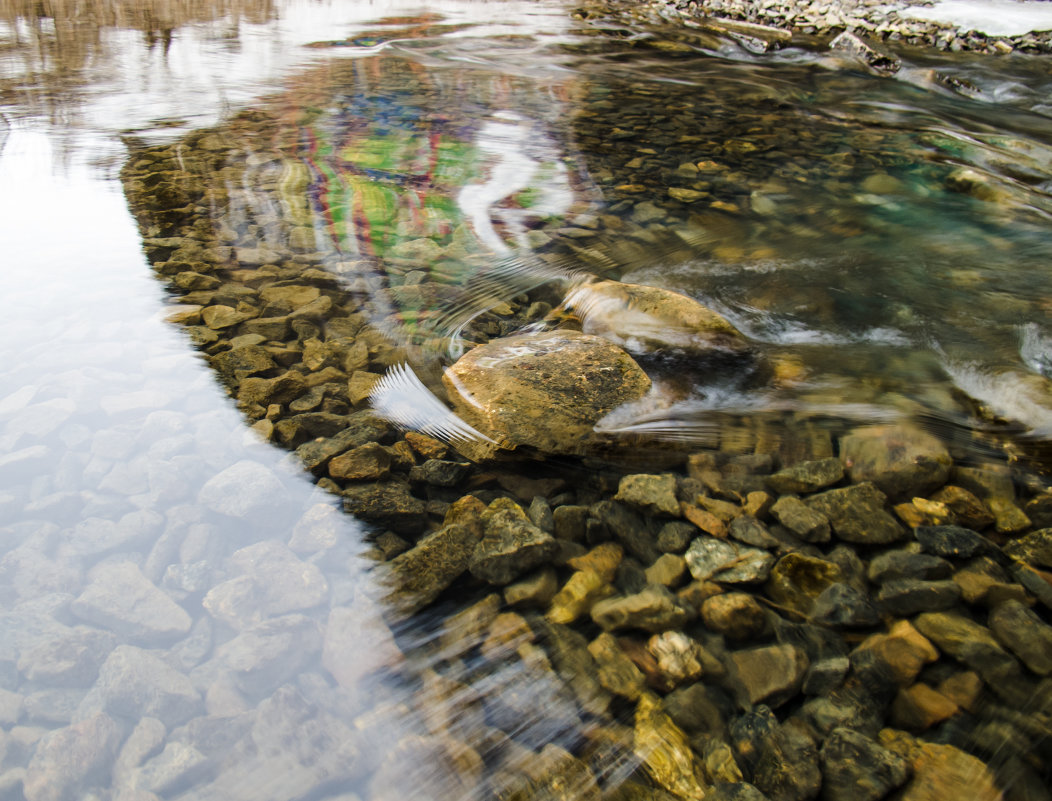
(569, 522)
(545, 390)
(511, 545)
(747, 529)
(134, 684)
(269, 654)
(577, 596)
(367, 462)
(901, 652)
(621, 522)
(967, 510)
(675, 536)
(247, 490)
(665, 751)
(897, 459)
(417, 577)
(808, 524)
(69, 759)
(788, 766)
(971, 644)
(952, 542)
(942, 771)
(807, 476)
(855, 768)
(655, 495)
(736, 615)
(825, 675)
(772, 673)
(120, 598)
(535, 590)
(653, 609)
(68, 659)
(919, 707)
(1023, 633)
(797, 580)
(893, 565)
(617, 673)
(388, 504)
(727, 562)
(857, 514)
(842, 606)
(906, 597)
(439, 473)
(1034, 548)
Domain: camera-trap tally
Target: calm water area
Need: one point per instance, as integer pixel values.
(222, 222)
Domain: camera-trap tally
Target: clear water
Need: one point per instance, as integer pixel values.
(885, 240)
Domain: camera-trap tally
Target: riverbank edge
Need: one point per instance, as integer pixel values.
(871, 19)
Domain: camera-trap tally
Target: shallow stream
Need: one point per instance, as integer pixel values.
(242, 240)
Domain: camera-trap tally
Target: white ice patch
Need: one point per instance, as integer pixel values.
(992, 17)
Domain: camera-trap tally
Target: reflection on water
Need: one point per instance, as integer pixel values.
(339, 203)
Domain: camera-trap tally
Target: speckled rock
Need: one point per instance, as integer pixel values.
(855, 768)
(808, 524)
(788, 766)
(651, 494)
(727, 562)
(857, 514)
(419, 575)
(665, 751)
(952, 542)
(511, 545)
(807, 476)
(546, 390)
(654, 609)
(1023, 633)
(736, 615)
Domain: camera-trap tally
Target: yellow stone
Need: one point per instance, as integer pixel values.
(665, 750)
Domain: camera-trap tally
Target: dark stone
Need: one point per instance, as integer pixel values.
(1034, 548)
(440, 473)
(806, 476)
(857, 514)
(842, 606)
(905, 597)
(734, 791)
(629, 528)
(747, 529)
(953, 542)
(358, 429)
(825, 675)
(511, 544)
(747, 734)
(974, 645)
(699, 708)
(906, 564)
(418, 576)
(855, 768)
(788, 766)
(1023, 633)
(806, 523)
(569, 522)
(675, 536)
(387, 504)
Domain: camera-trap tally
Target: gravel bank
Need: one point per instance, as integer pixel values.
(872, 19)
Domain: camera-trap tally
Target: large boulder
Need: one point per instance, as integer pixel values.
(646, 318)
(901, 460)
(547, 390)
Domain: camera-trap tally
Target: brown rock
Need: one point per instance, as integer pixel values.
(546, 390)
(426, 446)
(649, 318)
(665, 751)
(919, 707)
(963, 688)
(704, 519)
(903, 650)
(772, 673)
(365, 463)
(967, 509)
(942, 771)
(797, 580)
(898, 459)
(602, 560)
(737, 615)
